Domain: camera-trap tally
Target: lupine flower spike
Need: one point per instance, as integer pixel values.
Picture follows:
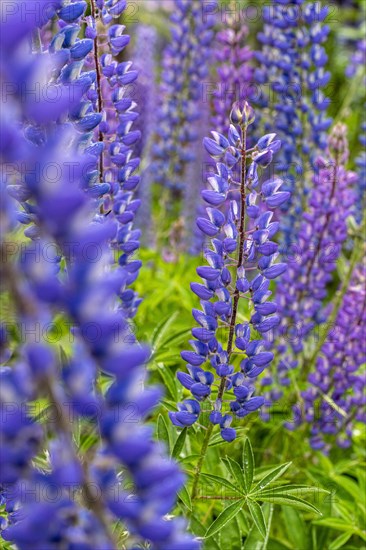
(185, 67)
(293, 64)
(312, 260)
(241, 262)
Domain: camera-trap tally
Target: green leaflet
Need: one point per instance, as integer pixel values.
(169, 380)
(163, 432)
(226, 515)
(162, 329)
(248, 465)
(221, 481)
(179, 444)
(254, 540)
(270, 477)
(235, 470)
(340, 541)
(258, 517)
(185, 497)
(290, 500)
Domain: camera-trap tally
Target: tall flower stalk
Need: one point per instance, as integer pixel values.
(241, 263)
(322, 233)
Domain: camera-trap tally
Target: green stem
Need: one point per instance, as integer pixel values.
(201, 459)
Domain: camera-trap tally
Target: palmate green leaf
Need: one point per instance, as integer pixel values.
(162, 431)
(258, 517)
(254, 540)
(226, 515)
(270, 477)
(235, 470)
(179, 444)
(340, 541)
(248, 465)
(286, 499)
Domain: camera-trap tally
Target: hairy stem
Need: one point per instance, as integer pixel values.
(241, 240)
(99, 86)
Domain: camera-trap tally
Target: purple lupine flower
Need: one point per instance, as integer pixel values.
(356, 69)
(241, 263)
(360, 203)
(312, 259)
(235, 72)
(293, 62)
(47, 517)
(117, 164)
(185, 66)
(322, 232)
(334, 399)
(195, 176)
(357, 60)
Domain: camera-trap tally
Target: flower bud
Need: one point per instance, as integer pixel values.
(242, 114)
